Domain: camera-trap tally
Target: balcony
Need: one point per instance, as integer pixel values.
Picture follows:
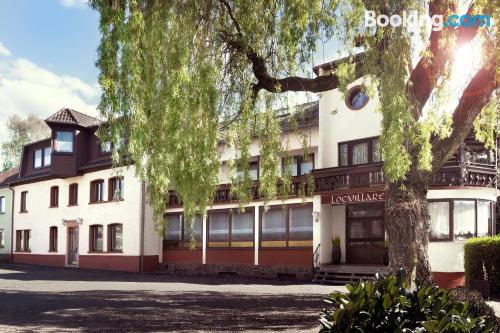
(331, 179)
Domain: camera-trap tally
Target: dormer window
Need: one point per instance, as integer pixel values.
(64, 141)
(42, 157)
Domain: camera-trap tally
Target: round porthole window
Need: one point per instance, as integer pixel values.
(356, 98)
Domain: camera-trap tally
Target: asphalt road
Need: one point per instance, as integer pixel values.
(36, 299)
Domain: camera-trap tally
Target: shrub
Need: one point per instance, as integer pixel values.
(476, 304)
(385, 305)
(482, 261)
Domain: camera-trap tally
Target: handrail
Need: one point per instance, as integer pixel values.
(315, 258)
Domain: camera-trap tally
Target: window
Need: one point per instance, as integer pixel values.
(2, 205)
(73, 195)
(484, 218)
(300, 223)
(24, 196)
(115, 243)
(105, 148)
(359, 152)
(47, 156)
(178, 231)
(53, 239)
(96, 238)
(38, 158)
(2, 238)
(298, 165)
(54, 196)
(64, 142)
(229, 228)
(439, 213)
(116, 187)
(466, 217)
(23, 240)
(287, 227)
(356, 98)
(253, 169)
(97, 191)
(242, 225)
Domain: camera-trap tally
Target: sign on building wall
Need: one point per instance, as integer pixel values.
(357, 197)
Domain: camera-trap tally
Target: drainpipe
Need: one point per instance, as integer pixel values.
(12, 226)
(141, 240)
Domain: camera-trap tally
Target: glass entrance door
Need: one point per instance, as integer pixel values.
(365, 234)
(73, 246)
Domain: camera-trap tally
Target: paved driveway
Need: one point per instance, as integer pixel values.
(59, 300)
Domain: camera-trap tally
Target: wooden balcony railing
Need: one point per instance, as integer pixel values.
(351, 177)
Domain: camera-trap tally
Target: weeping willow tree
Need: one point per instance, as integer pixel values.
(176, 75)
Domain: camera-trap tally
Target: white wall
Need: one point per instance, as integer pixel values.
(6, 220)
(345, 125)
(40, 217)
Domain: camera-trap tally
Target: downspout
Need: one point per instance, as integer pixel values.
(12, 226)
(142, 217)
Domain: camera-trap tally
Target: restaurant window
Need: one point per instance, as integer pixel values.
(359, 152)
(230, 228)
(53, 239)
(64, 141)
(298, 165)
(73, 195)
(96, 238)
(178, 231)
(464, 217)
(290, 226)
(115, 232)
(439, 213)
(54, 196)
(115, 188)
(97, 191)
(2, 205)
(24, 196)
(467, 219)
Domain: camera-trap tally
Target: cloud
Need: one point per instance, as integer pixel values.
(26, 88)
(74, 3)
(4, 51)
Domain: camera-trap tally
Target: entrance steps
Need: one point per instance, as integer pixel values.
(343, 274)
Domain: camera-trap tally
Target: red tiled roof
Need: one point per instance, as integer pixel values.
(72, 117)
(8, 175)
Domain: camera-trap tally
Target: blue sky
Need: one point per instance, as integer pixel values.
(61, 38)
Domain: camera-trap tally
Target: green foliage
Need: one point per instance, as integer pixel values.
(336, 241)
(21, 132)
(386, 305)
(482, 261)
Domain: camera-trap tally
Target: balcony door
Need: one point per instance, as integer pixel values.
(365, 234)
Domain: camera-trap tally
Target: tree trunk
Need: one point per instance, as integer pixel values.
(407, 225)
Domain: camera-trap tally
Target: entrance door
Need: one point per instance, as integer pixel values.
(365, 234)
(73, 246)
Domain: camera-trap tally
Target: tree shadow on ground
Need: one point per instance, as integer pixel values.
(44, 273)
(145, 311)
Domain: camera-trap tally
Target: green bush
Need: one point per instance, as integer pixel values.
(385, 305)
(482, 261)
(336, 241)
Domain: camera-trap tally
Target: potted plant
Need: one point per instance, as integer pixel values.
(386, 252)
(336, 252)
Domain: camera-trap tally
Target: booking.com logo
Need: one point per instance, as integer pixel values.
(437, 22)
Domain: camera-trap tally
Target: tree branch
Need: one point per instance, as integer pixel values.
(423, 77)
(477, 94)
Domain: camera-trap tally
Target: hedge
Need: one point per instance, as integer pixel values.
(482, 261)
